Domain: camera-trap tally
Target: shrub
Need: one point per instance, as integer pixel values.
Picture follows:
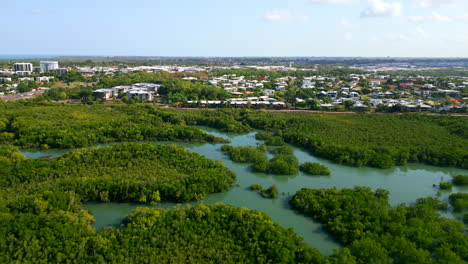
(459, 201)
(314, 168)
(271, 192)
(460, 180)
(256, 187)
(445, 186)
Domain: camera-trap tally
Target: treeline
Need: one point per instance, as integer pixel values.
(83, 93)
(324, 71)
(68, 126)
(374, 232)
(381, 141)
(227, 120)
(127, 172)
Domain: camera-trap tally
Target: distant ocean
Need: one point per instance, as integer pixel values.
(28, 56)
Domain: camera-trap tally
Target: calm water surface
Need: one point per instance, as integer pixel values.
(405, 183)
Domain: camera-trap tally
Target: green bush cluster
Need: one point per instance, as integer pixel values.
(280, 164)
(285, 150)
(271, 192)
(460, 180)
(314, 168)
(283, 164)
(445, 185)
(270, 139)
(256, 187)
(245, 154)
(374, 232)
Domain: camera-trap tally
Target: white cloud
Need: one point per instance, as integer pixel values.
(332, 1)
(436, 17)
(380, 8)
(284, 16)
(435, 3)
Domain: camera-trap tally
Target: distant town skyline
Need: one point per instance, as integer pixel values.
(333, 28)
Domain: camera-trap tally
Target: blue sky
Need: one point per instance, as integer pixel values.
(406, 28)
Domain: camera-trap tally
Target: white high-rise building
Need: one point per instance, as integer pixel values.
(47, 66)
(23, 67)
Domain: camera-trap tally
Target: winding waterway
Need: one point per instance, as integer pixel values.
(405, 183)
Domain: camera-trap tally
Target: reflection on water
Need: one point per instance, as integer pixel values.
(405, 183)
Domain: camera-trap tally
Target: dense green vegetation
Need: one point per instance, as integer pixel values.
(256, 187)
(178, 91)
(245, 154)
(374, 232)
(67, 126)
(370, 140)
(227, 120)
(445, 185)
(459, 201)
(128, 172)
(43, 221)
(381, 141)
(314, 168)
(270, 139)
(460, 180)
(281, 164)
(54, 228)
(285, 150)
